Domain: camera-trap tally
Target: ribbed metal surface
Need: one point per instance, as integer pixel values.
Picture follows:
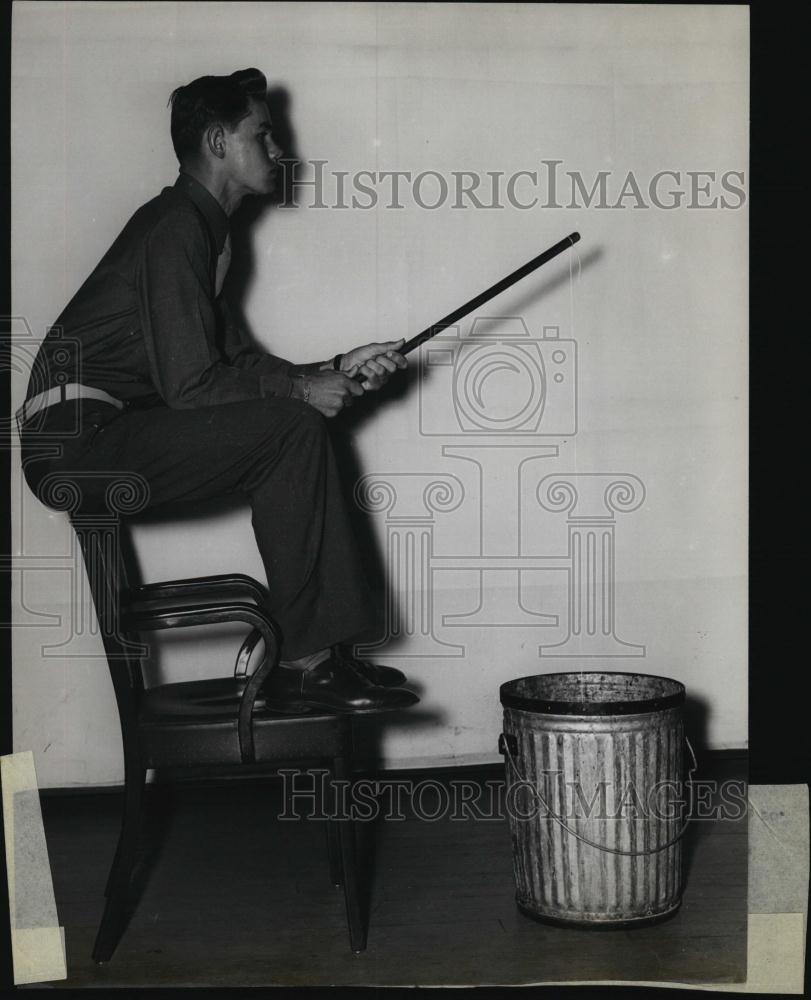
(558, 876)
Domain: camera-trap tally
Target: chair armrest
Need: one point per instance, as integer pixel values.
(211, 586)
(185, 616)
(249, 644)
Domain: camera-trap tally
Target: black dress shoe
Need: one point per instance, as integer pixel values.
(375, 673)
(330, 686)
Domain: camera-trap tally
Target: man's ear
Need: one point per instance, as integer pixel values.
(214, 141)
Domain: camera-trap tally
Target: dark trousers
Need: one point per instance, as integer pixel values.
(276, 452)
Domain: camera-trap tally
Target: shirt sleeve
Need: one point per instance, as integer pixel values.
(274, 372)
(179, 321)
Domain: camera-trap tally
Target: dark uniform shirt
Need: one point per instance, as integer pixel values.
(150, 325)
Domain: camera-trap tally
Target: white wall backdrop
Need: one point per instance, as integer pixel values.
(653, 304)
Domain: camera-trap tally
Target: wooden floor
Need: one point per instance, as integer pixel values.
(234, 896)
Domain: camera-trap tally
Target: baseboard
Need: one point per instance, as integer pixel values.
(484, 765)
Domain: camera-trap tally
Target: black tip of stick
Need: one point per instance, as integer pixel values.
(574, 237)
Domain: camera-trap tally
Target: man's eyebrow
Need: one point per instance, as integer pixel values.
(264, 124)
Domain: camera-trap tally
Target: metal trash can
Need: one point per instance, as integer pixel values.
(595, 796)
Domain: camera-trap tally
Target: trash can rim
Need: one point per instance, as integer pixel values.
(545, 706)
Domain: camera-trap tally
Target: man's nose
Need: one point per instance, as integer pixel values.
(274, 152)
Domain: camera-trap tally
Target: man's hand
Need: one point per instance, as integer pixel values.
(329, 392)
(377, 362)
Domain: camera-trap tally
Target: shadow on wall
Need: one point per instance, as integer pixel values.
(241, 276)
(253, 211)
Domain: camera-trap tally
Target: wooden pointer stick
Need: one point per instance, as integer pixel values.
(485, 296)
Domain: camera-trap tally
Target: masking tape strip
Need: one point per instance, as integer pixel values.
(37, 940)
(778, 848)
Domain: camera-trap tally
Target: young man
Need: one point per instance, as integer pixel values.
(168, 387)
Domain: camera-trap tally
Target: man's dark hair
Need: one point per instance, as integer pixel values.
(211, 100)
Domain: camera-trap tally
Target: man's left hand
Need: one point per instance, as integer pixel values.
(378, 362)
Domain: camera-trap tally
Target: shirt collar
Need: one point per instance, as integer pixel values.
(209, 206)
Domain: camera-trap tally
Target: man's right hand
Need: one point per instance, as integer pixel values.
(328, 391)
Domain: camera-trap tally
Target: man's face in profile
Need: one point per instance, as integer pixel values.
(251, 152)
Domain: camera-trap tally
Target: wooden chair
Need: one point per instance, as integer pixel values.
(219, 722)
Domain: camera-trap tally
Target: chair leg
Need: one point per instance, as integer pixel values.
(349, 870)
(114, 919)
(334, 851)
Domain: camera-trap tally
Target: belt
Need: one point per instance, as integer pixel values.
(60, 394)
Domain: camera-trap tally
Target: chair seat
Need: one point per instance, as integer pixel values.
(195, 722)
(190, 701)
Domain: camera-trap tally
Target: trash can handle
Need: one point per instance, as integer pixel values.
(507, 743)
